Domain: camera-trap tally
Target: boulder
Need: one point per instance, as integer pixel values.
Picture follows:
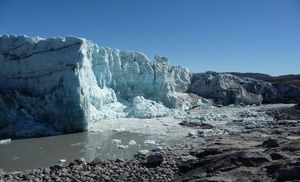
(154, 160)
(270, 143)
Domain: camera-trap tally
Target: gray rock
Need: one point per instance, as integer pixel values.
(228, 89)
(277, 156)
(196, 124)
(154, 160)
(80, 161)
(288, 93)
(208, 151)
(270, 143)
(56, 167)
(157, 149)
(289, 174)
(251, 159)
(47, 170)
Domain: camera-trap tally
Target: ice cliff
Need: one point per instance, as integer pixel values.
(70, 82)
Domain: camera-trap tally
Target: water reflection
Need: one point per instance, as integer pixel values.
(42, 152)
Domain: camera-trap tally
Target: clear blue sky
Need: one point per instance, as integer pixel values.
(220, 35)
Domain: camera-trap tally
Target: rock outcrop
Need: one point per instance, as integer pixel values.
(288, 93)
(229, 89)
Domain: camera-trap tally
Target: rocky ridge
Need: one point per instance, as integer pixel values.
(228, 89)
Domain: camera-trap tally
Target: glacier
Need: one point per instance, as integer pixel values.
(71, 83)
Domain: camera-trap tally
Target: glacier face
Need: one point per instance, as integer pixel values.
(132, 74)
(71, 82)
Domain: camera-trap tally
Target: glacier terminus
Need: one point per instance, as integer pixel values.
(65, 85)
(68, 83)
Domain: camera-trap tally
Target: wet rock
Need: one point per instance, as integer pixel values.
(289, 173)
(208, 151)
(270, 143)
(154, 160)
(122, 146)
(277, 156)
(157, 149)
(251, 159)
(187, 166)
(80, 161)
(195, 124)
(273, 167)
(25, 177)
(72, 164)
(56, 167)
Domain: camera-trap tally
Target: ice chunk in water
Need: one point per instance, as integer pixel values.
(5, 141)
(132, 142)
(152, 142)
(116, 141)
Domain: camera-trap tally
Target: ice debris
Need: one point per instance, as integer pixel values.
(62, 160)
(152, 142)
(116, 141)
(122, 146)
(5, 141)
(132, 142)
(145, 108)
(143, 152)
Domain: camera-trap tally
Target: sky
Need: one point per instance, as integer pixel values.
(203, 35)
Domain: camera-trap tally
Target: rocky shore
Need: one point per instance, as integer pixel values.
(268, 151)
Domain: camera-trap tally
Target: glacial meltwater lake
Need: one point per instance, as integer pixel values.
(34, 153)
(101, 139)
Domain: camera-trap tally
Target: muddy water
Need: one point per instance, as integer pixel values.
(43, 152)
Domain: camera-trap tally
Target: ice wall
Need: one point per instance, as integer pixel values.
(69, 82)
(132, 74)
